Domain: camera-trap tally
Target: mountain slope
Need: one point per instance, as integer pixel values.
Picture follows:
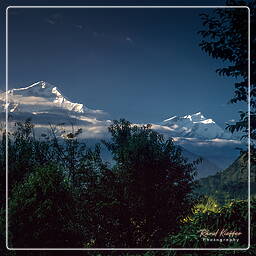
(205, 168)
(221, 152)
(41, 97)
(45, 104)
(231, 183)
(196, 126)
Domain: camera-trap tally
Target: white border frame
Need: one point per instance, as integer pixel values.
(129, 249)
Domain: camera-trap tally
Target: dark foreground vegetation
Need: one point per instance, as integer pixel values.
(63, 195)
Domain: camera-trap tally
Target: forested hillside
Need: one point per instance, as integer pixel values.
(231, 183)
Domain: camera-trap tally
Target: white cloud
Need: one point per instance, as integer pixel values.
(129, 39)
(54, 18)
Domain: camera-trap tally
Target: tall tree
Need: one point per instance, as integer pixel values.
(225, 37)
(148, 189)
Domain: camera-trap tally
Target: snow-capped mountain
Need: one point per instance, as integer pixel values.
(195, 126)
(45, 101)
(41, 97)
(45, 104)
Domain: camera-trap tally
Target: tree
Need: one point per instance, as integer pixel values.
(24, 152)
(225, 37)
(147, 192)
(42, 211)
(66, 196)
(45, 176)
(79, 161)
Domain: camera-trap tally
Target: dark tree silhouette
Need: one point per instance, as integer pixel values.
(150, 186)
(43, 211)
(225, 37)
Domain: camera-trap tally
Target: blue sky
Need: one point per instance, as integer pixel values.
(141, 64)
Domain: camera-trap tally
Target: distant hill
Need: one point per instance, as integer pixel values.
(205, 168)
(231, 183)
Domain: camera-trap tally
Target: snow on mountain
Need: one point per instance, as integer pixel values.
(195, 126)
(203, 137)
(41, 97)
(45, 104)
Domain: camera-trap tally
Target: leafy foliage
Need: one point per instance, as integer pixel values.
(225, 37)
(207, 204)
(229, 184)
(136, 202)
(231, 217)
(68, 197)
(42, 211)
(147, 189)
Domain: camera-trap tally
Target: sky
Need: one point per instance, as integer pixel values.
(141, 64)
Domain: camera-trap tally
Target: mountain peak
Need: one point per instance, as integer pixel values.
(195, 125)
(46, 92)
(197, 117)
(39, 84)
(191, 117)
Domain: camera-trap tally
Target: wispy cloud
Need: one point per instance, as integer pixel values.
(79, 26)
(54, 18)
(98, 34)
(129, 39)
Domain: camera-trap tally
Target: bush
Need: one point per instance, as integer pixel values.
(231, 217)
(42, 211)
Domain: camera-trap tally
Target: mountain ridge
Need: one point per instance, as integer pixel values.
(196, 125)
(45, 90)
(44, 103)
(44, 97)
